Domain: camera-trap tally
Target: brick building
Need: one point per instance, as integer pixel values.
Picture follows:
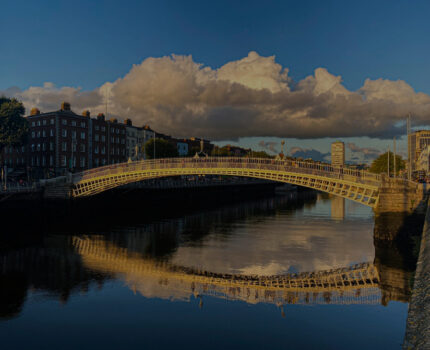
(63, 140)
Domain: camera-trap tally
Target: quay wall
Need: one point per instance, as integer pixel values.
(418, 323)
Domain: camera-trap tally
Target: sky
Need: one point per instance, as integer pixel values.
(243, 72)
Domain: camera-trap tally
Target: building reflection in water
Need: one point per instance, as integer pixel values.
(337, 207)
(154, 260)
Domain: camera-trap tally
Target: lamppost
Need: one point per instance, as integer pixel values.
(154, 144)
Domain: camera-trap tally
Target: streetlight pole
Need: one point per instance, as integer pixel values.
(394, 151)
(154, 144)
(388, 164)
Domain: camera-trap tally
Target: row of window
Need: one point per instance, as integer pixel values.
(35, 134)
(19, 161)
(43, 122)
(10, 149)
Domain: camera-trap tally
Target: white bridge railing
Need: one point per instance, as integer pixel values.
(292, 166)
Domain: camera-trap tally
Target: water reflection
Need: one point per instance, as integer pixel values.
(280, 250)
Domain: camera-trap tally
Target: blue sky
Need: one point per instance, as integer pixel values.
(87, 43)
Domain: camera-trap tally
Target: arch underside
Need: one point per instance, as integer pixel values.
(358, 192)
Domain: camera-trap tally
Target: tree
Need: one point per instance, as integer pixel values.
(380, 164)
(163, 149)
(13, 126)
(259, 154)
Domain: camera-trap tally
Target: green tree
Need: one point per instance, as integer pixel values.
(259, 154)
(380, 164)
(163, 149)
(13, 126)
(221, 152)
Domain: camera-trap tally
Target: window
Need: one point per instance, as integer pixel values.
(117, 151)
(117, 131)
(112, 151)
(74, 146)
(33, 134)
(103, 138)
(52, 121)
(51, 146)
(23, 149)
(117, 140)
(37, 161)
(64, 132)
(82, 135)
(73, 134)
(38, 146)
(83, 124)
(96, 137)
(44, 146)
(44, 133)
(44, 122)
(82, 162)
(103, 150)
(51, 160)
(51, 132)
(123, 131)
(38, 134)
(38, 123)
(82, 147)
(112, 139)
(123, 152)
(33, 124)
(32, 161)
(73, 123)
(97, 128)
(96, 149)
(43, 161)
(103, 128)
(74, 162)
(64, 146)
(104, 161)
(123, 142)
(63, 161)
(96, 161)
(32, 147)
(64, 121)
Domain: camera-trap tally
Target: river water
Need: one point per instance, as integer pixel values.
(281, 272)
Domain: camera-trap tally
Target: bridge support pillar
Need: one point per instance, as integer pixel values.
(401, 196)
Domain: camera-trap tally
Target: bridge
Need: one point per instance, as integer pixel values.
(376, 191)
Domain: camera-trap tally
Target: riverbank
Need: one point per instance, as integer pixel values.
(418, 323)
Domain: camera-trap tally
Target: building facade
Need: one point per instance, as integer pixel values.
(417, 142)
(338, 154)
(63, 141)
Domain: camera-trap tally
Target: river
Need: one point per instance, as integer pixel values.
(291, 271)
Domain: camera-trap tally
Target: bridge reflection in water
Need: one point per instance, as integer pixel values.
(143, 257)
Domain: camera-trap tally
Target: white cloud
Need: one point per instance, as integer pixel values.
(252, 96)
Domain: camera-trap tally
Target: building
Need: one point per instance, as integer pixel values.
(63, 140)
(423, 161)
(136, 140)
(338, 154)
(417, 142)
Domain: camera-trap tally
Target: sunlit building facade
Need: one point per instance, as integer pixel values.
(338, 154)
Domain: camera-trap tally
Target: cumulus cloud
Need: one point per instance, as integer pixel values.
(252, 96)
(269, 146)
(312, 153)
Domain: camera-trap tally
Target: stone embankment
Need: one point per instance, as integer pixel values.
(418, 322)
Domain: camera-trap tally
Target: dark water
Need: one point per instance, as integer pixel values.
(282, 272)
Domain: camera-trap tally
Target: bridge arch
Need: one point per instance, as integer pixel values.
(359, 186)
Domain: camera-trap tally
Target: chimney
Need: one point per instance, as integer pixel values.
(128, 122)
(86, 113)
(113, 120)
(65, 106)
(34, 111)
(101, 116)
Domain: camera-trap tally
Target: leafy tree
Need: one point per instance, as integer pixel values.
(13, 126)
(380, 164)
(221, 152)
(163, 149)
(259, 154)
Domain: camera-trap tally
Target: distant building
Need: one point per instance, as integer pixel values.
(417, 142)
(423, 161)
(338, 154)
(182, 148)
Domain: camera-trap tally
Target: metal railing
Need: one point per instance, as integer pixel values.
(292, 166)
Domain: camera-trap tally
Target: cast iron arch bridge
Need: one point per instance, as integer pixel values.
(356, 185)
